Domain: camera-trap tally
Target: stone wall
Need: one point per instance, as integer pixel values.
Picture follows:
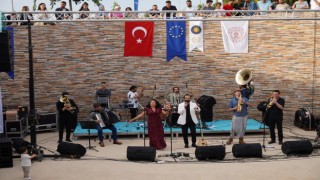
(76, 57)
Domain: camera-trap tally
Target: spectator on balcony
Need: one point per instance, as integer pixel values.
(264, 5)
(238, 6)
(247, 5)
(300, 4)
(207, 7)
(12, 17)
(274, 4)
(102, 14)
(228, 7)
(169, 7)
(43, 16)
(282, 6)
(116, 14)
(62, 8)
(154, 15)
(218, 8)
(189, 8)
(315, 4)
(129, 15)
(25, 16)
(84, 7)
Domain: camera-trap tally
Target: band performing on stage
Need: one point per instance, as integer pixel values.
(178, 111)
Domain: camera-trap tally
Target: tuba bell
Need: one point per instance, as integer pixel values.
(244, 79)
(66, 102)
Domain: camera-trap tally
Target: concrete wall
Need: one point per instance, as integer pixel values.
(76, 57)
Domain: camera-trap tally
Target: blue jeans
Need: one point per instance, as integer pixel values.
(111, 127)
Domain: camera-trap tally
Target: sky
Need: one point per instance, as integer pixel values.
(144, 5)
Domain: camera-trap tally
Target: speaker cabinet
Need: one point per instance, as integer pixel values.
(6, 61)
(6, 153)
(71, 149)
(247, 150)
(297, 147)
(210, 152)
(137, 153)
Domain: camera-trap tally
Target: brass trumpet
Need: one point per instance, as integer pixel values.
(270, 103)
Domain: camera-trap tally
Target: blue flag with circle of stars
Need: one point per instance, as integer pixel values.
(176, 40)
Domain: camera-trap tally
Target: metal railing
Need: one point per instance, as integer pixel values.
(203, 15)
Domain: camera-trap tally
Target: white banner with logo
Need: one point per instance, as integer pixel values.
(235, 36)
(195, 34)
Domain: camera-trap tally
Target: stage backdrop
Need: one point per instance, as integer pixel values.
(76, 57)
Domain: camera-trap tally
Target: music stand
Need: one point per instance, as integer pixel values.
(89, 125)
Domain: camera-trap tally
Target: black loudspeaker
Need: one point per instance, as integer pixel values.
(210, 152)
(6, 153)
(247, 150)
(71, 149)
(17, 143)
(297, 147)
(137, 153)
(6, 63)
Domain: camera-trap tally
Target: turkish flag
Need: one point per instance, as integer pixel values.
(138, 38)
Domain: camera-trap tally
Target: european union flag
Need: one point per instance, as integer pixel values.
(176, 40)
(10, 30)
(136, 5)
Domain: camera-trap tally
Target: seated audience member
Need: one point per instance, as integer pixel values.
(264, 5)
(314, 4)
(12, 17)
(228, 7)
(116, 14)
(43, 16)
(154, 15)
(25, 16)
(207, 7)
(62, 8)
(282, 6)
(129, 15)
(274, 4)
(247, 5)
(237, 6)
(189, 8)
(169, 7)
(102, 14)
(218, 8)
(84, 7)
(300, 4)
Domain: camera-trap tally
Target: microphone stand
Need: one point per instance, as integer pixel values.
(144, 123)
(264, 129)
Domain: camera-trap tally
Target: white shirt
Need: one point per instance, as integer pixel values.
(314, 5)
(25, 160)
(132, 99)
(193, 14)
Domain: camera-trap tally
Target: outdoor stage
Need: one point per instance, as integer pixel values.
(136, 128)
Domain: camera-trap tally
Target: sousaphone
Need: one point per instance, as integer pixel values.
(244, 78)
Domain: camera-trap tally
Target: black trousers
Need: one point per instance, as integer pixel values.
(133, 112)
(192, 127)
(64, 123)
(272, 124)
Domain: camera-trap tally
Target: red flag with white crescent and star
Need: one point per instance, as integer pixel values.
(138, 38)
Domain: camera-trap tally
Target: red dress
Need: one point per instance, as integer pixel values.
(155, 128)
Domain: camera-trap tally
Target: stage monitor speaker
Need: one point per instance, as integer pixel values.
(297, 147)
(247, 150)
(6, 63)
(210, 152)
(6, 159)
(71, 149)
(137, 153)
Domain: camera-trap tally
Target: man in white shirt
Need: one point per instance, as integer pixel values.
(133, 97)
(189, 8)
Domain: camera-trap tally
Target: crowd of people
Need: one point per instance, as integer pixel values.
(188, 12)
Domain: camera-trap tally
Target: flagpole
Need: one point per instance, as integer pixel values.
(12, 5)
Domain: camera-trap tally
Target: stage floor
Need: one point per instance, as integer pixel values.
(136, 128)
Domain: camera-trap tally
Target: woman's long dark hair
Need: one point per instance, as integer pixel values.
(158, 105)
(40, 5)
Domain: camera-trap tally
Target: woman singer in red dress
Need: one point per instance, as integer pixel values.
(154, 112)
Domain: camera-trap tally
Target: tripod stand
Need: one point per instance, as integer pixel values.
(264, 128)
(89, 125)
